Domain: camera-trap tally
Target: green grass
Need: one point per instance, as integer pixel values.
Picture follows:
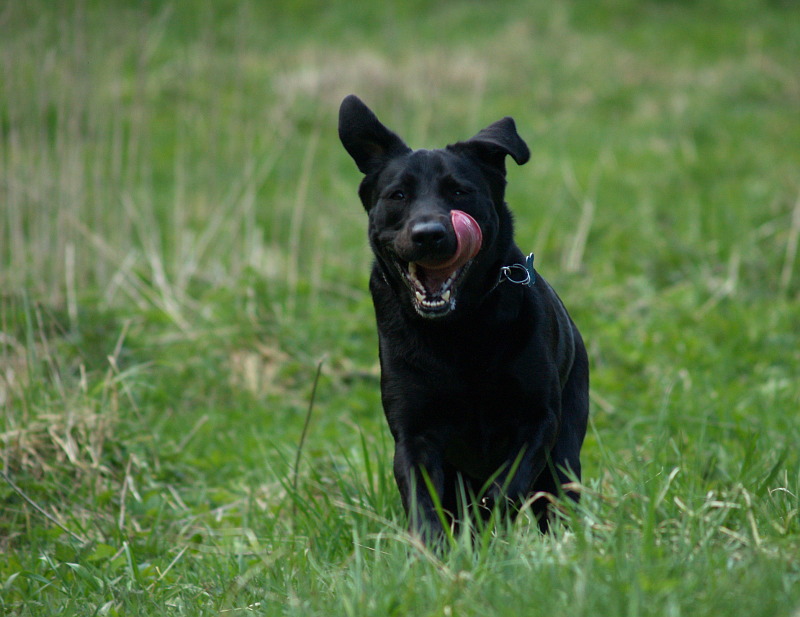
(181, 244)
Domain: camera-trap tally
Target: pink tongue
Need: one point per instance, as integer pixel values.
(469, 239)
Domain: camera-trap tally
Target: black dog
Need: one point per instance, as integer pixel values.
(484, 377)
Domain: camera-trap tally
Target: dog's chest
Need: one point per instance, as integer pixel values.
(478, 422)
(477, 448)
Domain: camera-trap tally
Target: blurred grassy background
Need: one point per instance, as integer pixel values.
(181, 243)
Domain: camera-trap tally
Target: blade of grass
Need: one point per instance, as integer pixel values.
(40, 510)
(306, 422)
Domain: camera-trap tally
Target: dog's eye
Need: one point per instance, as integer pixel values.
(397, 195)
(459, 192)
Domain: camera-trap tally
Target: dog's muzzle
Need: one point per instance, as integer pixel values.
(434, 283)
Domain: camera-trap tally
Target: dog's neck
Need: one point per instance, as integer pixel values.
(516, 274)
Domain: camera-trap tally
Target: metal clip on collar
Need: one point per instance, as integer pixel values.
(519, 274)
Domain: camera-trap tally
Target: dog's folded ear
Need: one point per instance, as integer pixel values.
(363, 136)
(496, 141)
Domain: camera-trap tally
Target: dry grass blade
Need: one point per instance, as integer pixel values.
(40, 510)
(791, 248)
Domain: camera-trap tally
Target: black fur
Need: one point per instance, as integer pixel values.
(487, 396)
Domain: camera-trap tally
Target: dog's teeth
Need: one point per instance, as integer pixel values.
(420, 297)
(446, 296)
(412, 269)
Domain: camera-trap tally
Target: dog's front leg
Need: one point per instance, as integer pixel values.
(530, 453)
(415, 461)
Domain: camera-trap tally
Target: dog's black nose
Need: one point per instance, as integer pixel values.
(428, 234)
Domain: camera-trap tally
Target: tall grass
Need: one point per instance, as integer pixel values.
(181, 243)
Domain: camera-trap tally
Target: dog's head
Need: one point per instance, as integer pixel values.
(437, 220)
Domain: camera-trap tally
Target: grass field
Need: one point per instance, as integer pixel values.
(181, 246)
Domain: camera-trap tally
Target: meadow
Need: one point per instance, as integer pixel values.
(191, 420)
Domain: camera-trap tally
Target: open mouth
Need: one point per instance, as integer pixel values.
(434, 283)
(433, 291)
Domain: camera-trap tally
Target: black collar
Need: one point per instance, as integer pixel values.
(519, 274)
